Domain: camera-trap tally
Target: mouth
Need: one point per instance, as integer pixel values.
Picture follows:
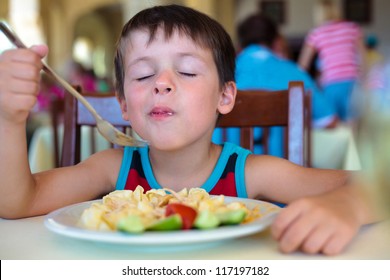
(161, 112)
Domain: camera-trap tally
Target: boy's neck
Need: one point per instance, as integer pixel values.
(186, 168)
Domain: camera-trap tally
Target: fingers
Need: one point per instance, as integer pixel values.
(20, 78)
(286, 217)
(18, 67)
(19, 81)
(41, 50)
(336, 244)
(25, 83)
(311, 228)
(316, 240)
(32, 55)
(23, 57)
(292, 226)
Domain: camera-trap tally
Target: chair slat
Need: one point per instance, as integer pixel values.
(288, 108)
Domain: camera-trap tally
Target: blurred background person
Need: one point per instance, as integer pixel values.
(376, 78)
(261, 65)
(340, 49)
(82, 76)
(372, 56)
(280, 47)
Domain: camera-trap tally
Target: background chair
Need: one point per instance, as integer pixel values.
(290, 108)
(56, 110)
(77, 116)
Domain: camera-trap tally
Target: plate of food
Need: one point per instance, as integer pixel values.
(162, 217)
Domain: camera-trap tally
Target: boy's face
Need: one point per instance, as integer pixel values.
(172, 92)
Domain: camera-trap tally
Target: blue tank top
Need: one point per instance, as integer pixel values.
(227, 178)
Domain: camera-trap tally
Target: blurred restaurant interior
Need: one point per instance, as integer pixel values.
(85, 32)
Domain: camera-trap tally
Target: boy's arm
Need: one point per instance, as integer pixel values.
(19, 83)
(22, 193)
(325, 209)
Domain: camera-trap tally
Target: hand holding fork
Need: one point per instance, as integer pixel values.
(106, 129)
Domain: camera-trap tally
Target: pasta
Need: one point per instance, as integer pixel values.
(150, 207)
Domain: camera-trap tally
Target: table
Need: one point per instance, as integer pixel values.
(331, 148)
(30, 239)
(335, 148)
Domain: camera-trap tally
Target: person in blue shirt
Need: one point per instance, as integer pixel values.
(259, 66)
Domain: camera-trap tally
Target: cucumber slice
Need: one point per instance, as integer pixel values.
(232, 217)
(173, 222)
(206, 220)
(131, 224)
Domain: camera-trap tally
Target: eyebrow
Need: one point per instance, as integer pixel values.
(181, 55)
(140, 59)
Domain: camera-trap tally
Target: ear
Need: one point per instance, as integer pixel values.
(227, 98)
(123, 105)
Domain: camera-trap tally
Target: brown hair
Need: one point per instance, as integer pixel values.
(202, 29)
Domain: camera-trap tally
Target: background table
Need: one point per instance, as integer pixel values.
(41, 151)
(335, 148)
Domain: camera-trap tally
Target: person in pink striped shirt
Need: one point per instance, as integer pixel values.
(340, 48)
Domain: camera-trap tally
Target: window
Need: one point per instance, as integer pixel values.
(24, 19)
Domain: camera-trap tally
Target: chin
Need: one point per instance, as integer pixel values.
(165, 145)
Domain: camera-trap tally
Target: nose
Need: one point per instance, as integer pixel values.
(164, 84)
(162, 90)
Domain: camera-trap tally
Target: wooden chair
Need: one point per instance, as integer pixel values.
(76, 116)
(56, 110)
(288, 108)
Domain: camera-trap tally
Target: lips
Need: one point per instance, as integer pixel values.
(161, 112)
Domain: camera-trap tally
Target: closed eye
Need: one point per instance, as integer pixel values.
(143, 78)
(188, 74)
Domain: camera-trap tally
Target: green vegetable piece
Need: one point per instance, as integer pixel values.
(206, 220)
(131, 224)
(173, 222)
(232, 217)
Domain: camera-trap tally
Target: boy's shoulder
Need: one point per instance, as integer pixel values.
(107, 157)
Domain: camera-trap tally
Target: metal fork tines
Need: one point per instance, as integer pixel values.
(106, 129)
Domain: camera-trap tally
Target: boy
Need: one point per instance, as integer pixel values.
(174, 71)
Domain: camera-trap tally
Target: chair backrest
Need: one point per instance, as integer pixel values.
(56, 110)
(76, 116)
(288, 108)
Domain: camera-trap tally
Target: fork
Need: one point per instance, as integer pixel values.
(106, 129)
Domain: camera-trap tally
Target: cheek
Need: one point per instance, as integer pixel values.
(207, 104)
(134, 97)
(134, 106)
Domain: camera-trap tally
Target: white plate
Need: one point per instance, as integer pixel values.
(64, 222)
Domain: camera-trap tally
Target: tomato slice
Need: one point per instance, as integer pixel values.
(187, 213)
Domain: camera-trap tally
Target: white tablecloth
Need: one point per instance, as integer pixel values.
(331, 148)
